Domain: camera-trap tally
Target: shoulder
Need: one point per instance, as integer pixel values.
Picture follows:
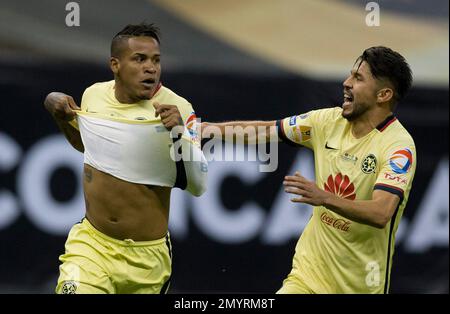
(396, 132)
(397, 140)
(327, 115)
(166, 95)
(98, 87)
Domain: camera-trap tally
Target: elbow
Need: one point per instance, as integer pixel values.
(380, 222)
(49, 95)
(198, 191)
(196, 182)
(196, 168)
(48, 99)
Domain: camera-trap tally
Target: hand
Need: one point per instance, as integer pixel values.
(308, 190)
(170, 115)
(61, 106)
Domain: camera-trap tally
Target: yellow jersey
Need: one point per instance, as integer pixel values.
(120, 139)
(99, 98)
(335, 254)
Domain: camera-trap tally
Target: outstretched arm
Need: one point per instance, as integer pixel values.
(248, 132)
(376, 212)
(61, 107)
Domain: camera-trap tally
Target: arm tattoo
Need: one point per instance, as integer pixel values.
(88, 175)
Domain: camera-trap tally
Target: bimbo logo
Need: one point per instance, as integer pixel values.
(340, 186)
(401, 161)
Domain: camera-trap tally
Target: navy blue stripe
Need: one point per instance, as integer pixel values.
(165, 287)
(391, 231)
(181, 180)
(390, 190)
(386, 121)
(283, 136)
(280, 132)
(168, 245)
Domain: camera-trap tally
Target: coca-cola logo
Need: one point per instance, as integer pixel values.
(339, 224)
(340, 186)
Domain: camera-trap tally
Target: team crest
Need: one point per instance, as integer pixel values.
(69, 287)
(369, 164)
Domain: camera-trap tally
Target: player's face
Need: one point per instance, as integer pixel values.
(139, 69)
(360, 92)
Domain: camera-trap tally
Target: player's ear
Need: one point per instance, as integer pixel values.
(385, 95)
(114, 64)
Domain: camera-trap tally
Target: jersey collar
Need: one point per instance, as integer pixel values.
(387, 122)
(157, 89)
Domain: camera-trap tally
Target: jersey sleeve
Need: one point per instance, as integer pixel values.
(297, 130)
(307, 129)
(397, 170)
(194, 161)
(83, 106)
(190, 122)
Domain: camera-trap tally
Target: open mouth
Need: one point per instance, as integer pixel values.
(148, 83)
(348, 98)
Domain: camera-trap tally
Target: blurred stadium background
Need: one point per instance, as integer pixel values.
(249, 59)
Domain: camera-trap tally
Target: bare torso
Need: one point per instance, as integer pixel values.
(125, 210)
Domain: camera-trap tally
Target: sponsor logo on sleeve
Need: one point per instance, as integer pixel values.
(401, 161)
(191, 126)
(302, 133)
(396, 178)
(292, 120)
(304, 116)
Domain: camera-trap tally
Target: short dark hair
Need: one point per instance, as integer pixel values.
(131, 30)
(386, 63)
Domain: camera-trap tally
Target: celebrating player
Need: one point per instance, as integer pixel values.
(130, 167)
(365, 162)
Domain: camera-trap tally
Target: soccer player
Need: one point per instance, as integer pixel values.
(365, 162)
(123, 244)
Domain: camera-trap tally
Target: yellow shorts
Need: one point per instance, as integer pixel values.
(96, 263)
